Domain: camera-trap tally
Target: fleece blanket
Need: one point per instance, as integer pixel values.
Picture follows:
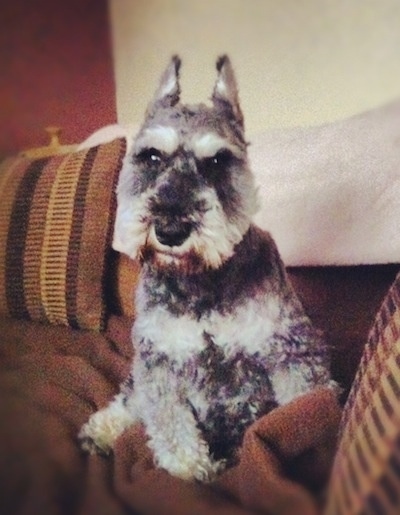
(53, 378)
(329, 194)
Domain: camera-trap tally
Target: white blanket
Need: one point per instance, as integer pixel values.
(329, 195)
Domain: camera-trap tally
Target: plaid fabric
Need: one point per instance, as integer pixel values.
(366, 473)
(56, 216)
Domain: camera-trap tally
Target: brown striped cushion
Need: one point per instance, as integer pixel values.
(56, 217)
(366, 473)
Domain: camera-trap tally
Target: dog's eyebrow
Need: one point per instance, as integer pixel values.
(162, 138)
(210, 143)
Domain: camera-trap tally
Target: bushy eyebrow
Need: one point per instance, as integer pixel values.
(164, 139)
(209, 144)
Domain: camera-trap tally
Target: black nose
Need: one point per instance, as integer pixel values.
(172, 234)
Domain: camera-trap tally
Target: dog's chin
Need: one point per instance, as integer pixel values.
(175, 262)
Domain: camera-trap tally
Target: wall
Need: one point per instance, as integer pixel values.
(56, 69)
(298, 62)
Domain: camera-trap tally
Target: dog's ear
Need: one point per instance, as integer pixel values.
(168, 92)
(225, 95)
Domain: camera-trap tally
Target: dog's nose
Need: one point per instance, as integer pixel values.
(172, 234)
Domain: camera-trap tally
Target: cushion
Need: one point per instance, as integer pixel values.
(366, 472)
(56, 217)
(124, 284)
(329, 194)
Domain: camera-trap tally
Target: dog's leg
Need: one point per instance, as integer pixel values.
(292, 380)
(178, 445)
(289, 382)
(98, 435)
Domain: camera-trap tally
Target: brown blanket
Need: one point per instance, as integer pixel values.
(53, 378)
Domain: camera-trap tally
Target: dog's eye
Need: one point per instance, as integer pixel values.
(150, 155)
(214, 166)
(222, 158)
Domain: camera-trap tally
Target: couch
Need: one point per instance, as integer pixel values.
(65, 316)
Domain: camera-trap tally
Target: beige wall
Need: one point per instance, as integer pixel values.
(298, 62)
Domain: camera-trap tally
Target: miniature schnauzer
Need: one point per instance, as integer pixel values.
(220, 337)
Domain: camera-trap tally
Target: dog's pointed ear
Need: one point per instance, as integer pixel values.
(168, 92)
(225, 94)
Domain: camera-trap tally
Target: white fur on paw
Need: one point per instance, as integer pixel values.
(188, 466)
(98, 435)
(92, 444)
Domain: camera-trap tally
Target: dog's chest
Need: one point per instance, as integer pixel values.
(248, 330)
(218, 366)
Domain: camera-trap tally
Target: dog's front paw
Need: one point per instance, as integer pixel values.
(98, 435)
(93, 440)
(190, 467)
(208, 473)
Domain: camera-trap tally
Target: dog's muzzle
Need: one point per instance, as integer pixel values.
(172, 233)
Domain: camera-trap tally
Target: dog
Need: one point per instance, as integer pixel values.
(220, 337)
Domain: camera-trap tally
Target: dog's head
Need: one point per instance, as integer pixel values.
(185, 194)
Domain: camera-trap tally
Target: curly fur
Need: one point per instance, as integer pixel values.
(220, 337)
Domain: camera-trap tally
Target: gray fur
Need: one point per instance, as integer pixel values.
(220, 336)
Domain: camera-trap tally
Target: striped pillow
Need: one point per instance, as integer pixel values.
(56, 217)
(366, 473)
